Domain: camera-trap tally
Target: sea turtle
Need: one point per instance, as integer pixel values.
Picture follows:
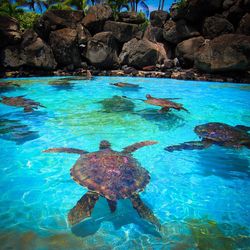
(164, 103)
(216, 133)
(19, 101)
(125, 85)
(5, 86)
(111, 174)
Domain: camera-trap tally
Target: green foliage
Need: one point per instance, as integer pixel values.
(6, 8)
(27, 20)
(144, 25)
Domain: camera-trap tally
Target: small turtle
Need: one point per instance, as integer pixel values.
(125, 85)
(165, 103)
(8, 85)
(216, 133)
(19, 101)
(111, 174)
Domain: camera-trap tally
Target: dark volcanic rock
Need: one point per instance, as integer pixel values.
(131, 17)
(215, 26)
(175, 32)
(96, 17)
(123, 32)
(195, 10)
(230, 52)
(244, 26)
(153, 34)
(186, 50)
(158, 18)
(32, 52)
(65, 47)
(102, 51)
(141, 53)
(9, 31)
(53, 20)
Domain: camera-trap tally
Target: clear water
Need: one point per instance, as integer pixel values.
(201, 197)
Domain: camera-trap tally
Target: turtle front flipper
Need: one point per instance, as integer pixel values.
(65, 150)
(83, 208)
(28, 109)
(163, 110)
(144, 211)
(243, 128)
(135, 146)
(190, 145)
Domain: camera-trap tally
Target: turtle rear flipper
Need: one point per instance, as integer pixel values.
(135, 146)
(144, 211)
(83, 208)
(243, 128)
(65, 150)
(191, 145)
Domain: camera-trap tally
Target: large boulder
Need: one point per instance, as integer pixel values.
(244, 26)
(158, 18)
(195, 10)
(53, 20)
(153, 34)
(214, 26)
(32, 52)
(64, 43)
(96, 17)
(175, 32)
(131, 17)
(185, 51)
(102, 50)
(9, 31)
(230, 52)
(141, 53)
(235, 13)
(123, 32)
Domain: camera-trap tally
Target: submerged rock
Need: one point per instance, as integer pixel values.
(117, 104)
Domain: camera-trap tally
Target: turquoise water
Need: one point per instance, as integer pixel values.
(200, 197)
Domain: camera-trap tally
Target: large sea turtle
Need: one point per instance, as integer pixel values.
(165, 103)
(19, 101)
(111, 174)
(216, 133)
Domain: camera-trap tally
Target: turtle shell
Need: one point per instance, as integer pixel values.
(112, 174)
(221, 132)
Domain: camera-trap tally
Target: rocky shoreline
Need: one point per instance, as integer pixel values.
(201, 40)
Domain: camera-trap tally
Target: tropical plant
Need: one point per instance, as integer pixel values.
(33, 4)
(11, 9)
(139, 3)
(27, 20)
(161, 4)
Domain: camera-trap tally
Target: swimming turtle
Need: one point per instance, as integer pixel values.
(8, 84)
(111, 174)
(165, 103)
(19, 101)
(216, 133)
(125, 85)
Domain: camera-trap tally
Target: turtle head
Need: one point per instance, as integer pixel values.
(148, 96)
(104, 145)
(201, 130)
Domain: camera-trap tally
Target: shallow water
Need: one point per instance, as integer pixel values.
(200, 197)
